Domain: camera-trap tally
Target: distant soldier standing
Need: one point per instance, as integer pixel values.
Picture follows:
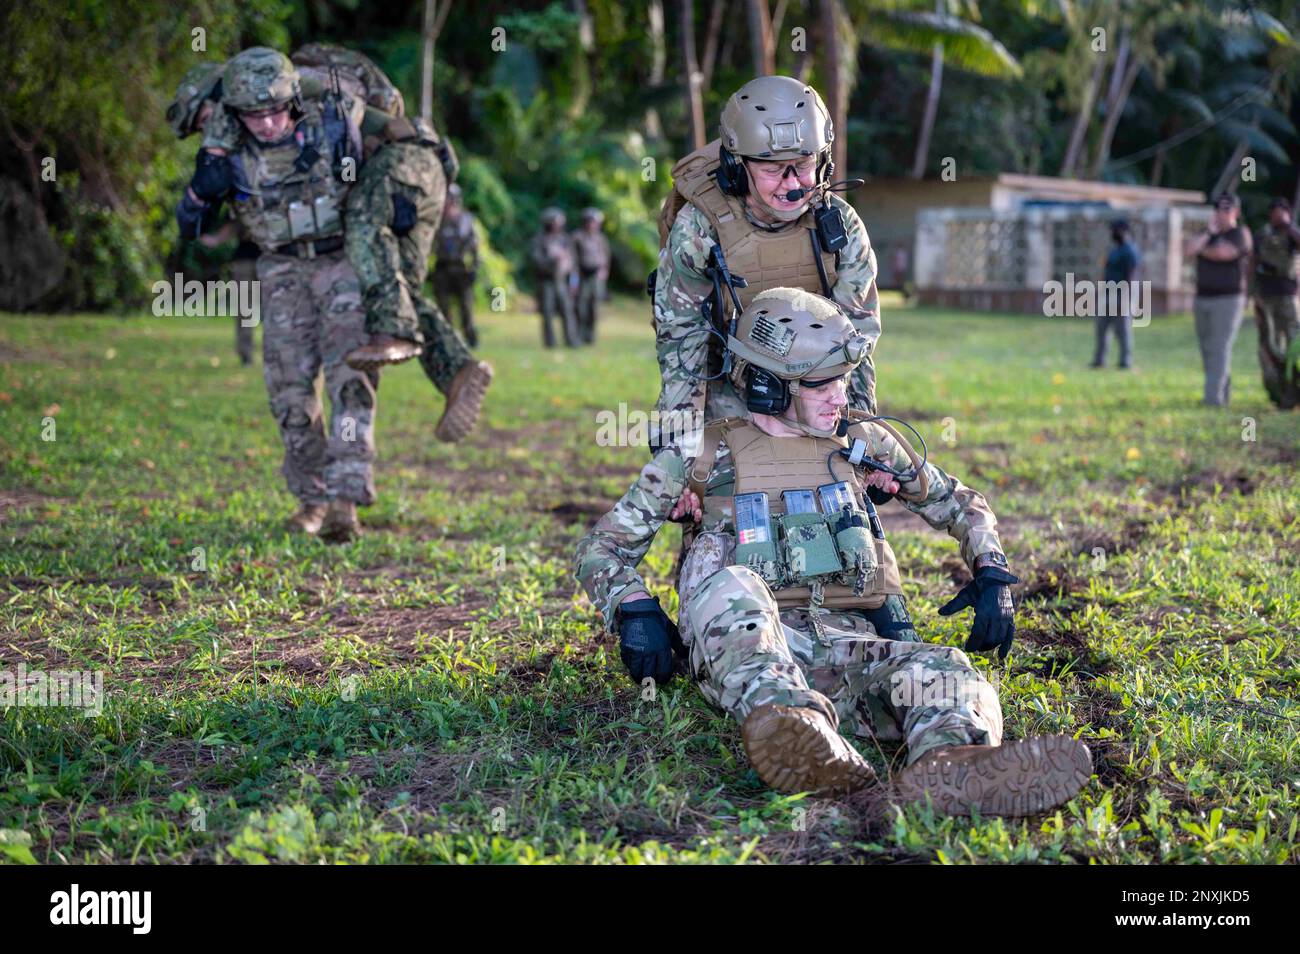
(1121, 263)
(593, 271)
(1277, 265)
(1222, 259)
(456, 268)
(552, 258)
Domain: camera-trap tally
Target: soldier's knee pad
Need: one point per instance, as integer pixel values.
(357, 394)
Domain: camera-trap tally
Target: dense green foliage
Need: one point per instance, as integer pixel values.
(437, 691)
(550, 118)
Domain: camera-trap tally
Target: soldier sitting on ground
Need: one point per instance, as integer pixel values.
(780, 598)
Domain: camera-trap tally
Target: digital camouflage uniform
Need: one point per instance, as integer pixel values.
(456, 248)
(552, 258)
(392, 268)
(746, 652)
(592, 248)
(1275, 312)
(312, 311)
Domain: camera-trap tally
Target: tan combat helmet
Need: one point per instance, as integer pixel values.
(776, 117)
(799, 337)
(195, 88)
(552, 216)
(260, 78)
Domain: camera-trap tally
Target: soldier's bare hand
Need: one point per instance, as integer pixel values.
(687, 509)
(881, 481)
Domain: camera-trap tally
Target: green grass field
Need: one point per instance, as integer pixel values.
(439, 691)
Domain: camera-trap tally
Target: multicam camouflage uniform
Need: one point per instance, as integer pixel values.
(592, 250)
(392, 267)
(745, 651)
(312, 311)
(551, 256)
(682, 338)
(1278, 262)
(456, 246)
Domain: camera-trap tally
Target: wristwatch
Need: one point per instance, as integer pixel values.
(992, 558)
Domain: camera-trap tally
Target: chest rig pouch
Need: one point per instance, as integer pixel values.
(809, 537)
(292, 192)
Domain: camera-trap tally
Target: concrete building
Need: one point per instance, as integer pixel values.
(992, 243)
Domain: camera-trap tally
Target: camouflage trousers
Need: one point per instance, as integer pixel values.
(311, 319)
(591, 290)
(552, 296)
(391, 268)
(244, 270)
(745, 652)
(1276, 318)
(455, 290)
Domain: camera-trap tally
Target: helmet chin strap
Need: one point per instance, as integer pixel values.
(783, 215)
(805, 427)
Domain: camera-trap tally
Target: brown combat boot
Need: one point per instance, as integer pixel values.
(795, 749)
(341, 523)
(464, 399)
(1024, 777)
(381, 350)
(307, 519)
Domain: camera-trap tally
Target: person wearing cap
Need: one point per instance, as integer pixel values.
(785, 607)
(456, 268)
(552, 258)
(1222, 254)
(1121, 263)
(1277, 264)
(592, 251)
(760, 194)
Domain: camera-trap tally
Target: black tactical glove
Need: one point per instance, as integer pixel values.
(879, 497)
(995, 614)
(213, 176)
(647, 639)
(403, 214)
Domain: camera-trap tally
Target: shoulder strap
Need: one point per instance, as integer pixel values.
(698, 475)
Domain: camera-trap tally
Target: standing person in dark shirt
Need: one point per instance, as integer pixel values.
(1222, 261)
(1121, 263)
(1277, 264)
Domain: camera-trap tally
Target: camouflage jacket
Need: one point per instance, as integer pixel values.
(683, 340)
(607, 557)
(552, 256)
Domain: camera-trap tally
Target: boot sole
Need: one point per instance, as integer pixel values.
(1024, 777)
(794, 755)
(375, 363)
(459, 420)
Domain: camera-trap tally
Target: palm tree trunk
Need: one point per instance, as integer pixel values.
(1123, 75)
(711, 37)
(762, 47)
(1081, 121)
(435, 15)
(581, 62)
(931, 106)
(694, 79)
(655, 10)
(837, 88)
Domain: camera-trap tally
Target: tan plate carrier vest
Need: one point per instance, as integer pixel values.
(782, 259)
(771, 465)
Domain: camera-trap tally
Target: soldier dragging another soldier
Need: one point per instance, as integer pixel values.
(786, 588)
